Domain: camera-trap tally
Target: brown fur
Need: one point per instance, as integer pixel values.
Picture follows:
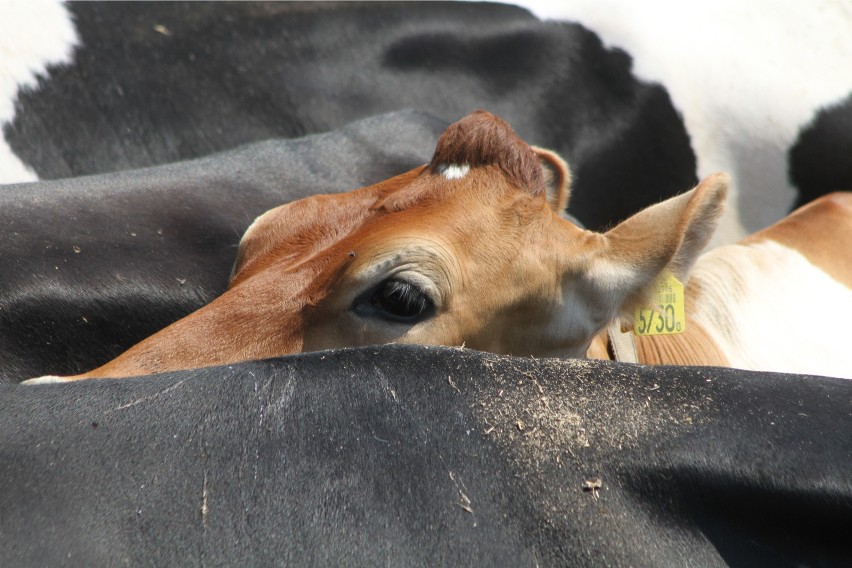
(482, 139)
(295, 232)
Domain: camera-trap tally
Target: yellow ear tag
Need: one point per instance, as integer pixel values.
(665, 315)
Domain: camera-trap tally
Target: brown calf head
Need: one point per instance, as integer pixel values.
(467, 250)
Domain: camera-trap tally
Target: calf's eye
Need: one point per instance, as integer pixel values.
(397, 300)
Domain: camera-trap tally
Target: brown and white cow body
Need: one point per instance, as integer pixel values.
(470, 250)
(780, 300)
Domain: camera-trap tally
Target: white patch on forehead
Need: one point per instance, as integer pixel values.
(770, 309)
(453, 171)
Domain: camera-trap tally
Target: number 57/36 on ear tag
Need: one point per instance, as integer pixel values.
(665, 314)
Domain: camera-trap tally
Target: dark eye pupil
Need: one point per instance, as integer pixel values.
(401, 299)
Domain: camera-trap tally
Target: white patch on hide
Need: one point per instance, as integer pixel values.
(34, 34)
(770, 309)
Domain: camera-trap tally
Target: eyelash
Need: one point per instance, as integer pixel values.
(396, 300)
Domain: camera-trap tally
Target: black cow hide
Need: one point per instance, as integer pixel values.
(418, 456)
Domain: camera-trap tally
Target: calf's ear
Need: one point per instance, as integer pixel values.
(668, 236)
(557, 178)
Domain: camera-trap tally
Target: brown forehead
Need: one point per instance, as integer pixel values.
(483, 206)
(296, 232)
(417, 203)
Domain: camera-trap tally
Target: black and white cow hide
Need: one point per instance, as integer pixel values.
(821, 159)
(151, 83)
(148, 84)
(749, 79)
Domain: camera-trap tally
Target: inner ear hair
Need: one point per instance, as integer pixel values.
(557, 178)
(668, 236)
(698, 223)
